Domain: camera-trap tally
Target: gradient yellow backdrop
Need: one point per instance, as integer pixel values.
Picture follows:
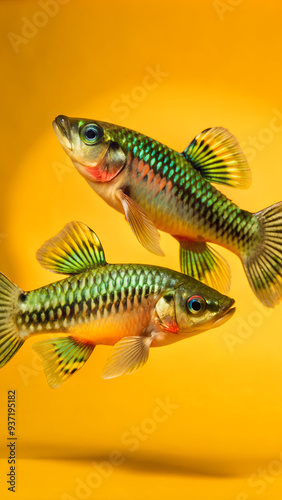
(169, 70)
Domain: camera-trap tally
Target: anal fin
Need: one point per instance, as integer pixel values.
(62, 357)
(199, 260)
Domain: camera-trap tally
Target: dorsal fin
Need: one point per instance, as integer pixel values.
(73, 250)
(216, 154)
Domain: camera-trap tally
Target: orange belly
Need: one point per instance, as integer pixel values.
(109, 330)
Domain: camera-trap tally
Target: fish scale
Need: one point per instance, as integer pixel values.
(200, 201)
(113, 290)
(202, 205)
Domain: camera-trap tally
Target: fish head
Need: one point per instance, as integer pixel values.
(92, 147)
(192, 308)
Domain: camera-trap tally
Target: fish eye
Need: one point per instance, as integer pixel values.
(196, 304)
(91, 133)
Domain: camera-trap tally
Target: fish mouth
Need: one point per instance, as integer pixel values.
(226, 315)
(62, 128)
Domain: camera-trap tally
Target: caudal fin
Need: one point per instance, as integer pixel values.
(264, 264)
(10, 340)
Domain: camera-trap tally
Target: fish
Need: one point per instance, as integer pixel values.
(158, 188)
(131, 307)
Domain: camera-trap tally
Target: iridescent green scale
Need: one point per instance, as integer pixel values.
(112, 289)
(218, 216)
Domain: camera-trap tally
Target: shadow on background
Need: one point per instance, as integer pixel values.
(156, 464)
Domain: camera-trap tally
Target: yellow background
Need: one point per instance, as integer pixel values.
(220, 64)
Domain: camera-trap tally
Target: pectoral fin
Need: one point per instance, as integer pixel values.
(199, 260)
(216, 154)
(62, 357)
(128, 356)
(143, 228)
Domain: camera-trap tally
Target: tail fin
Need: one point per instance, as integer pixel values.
(10, 340)
(264, 265)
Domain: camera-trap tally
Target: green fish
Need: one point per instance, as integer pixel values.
(159, 188)
(129, 306)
